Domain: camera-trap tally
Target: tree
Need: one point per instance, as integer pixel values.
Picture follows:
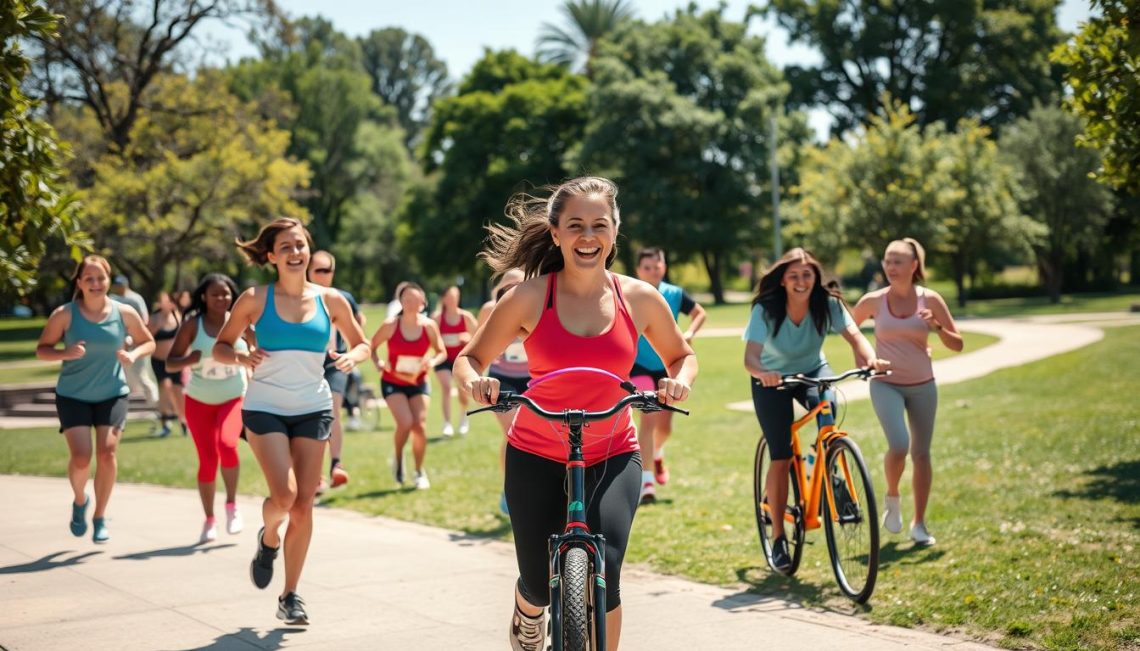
(945, 59)
(36, 206)
(679, 116)
(406, 74)
(200, 168)
(1056, 189)
(587, 22)
(1103, 69)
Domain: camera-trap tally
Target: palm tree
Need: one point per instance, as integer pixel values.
(588, 21)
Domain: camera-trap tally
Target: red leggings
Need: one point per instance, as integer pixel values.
(215, 429)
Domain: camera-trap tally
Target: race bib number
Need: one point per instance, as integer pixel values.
(515, 353)
(409, 364)
(452, 340)
(214, 370)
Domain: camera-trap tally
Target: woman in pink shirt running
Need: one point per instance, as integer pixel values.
(905, 313)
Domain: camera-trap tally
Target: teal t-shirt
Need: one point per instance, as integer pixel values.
(797, 348)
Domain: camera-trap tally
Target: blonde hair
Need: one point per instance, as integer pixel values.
(917, 252)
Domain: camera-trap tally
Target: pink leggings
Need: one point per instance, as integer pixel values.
(216, 429)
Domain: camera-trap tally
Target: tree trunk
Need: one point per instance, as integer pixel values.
(713, 265)
(1134, 268)
(1049, 266)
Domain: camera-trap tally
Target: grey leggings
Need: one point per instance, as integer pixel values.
(895, 405)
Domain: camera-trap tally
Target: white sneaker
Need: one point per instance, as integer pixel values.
(920, 535)
(209, 532)
(892, 514)
(648, 493)
(448, 431)
(354, 424)
(464, 427)
(234, 523)
(422, 483)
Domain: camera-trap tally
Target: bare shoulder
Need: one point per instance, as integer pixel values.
(634, 288)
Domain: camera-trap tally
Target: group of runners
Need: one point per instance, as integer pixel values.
(271, 363)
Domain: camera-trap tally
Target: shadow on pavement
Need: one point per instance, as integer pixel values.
(766, 588)
(908, 554)
(472, 535)
(1120, 482)
(247, 638)
(185, 550)
(49, 562)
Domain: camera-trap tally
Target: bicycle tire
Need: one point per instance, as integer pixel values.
(796, 537)
(575, 600)
(853, 540)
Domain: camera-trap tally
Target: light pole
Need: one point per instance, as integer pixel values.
(777, 244)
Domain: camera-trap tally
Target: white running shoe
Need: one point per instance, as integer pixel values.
(920, 535)
(448, 431)
(354, 424)
(209, 532)
(234, 523)
(464, 427)
(892, 514)
(648, 493)
(422, 483)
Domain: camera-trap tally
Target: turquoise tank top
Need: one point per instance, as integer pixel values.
(98, 375)
(291, 379)
(212, 382)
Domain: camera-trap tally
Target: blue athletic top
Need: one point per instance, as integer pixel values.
(290, 381)
(678, 301)
(796, 348)
(98, 375)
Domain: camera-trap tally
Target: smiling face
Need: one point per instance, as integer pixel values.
(585, 232)
(219, 298)
(290, 252)
(93, 280)
(798, 280)
(899, 264)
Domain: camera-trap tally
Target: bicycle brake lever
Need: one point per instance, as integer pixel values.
(495, 407)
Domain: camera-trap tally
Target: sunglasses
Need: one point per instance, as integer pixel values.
(323, 270)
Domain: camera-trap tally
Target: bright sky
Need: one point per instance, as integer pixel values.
(459, 30)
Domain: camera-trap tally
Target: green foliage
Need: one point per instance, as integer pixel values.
(405, 74)
(679, 117)
(1056, 188)
(1103, 69)
(587, 22)
(36, 205)
(948, 59)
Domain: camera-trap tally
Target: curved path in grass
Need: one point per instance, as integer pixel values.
(1020, 341)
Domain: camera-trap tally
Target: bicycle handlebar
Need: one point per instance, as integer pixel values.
(646, 401)
(861, 373)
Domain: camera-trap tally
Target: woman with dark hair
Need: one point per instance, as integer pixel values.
(456, 325)
(287, 411)
(572, 312)
(163, 324)
(791, 315)
(213, 396)
(92, 388)
(404, 385)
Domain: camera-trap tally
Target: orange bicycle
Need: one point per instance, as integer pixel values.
(849, 514)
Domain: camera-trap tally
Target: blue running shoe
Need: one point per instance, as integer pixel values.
(503, 503)
(100, 533)
(78, 522)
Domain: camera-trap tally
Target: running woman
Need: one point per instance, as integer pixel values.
(403, 383)
(791, 315)
(456, 326)
(92, 388)
(163, 324)
(287, 412)
(322, 267)
(510, 368)
(571, 312)
(648, 369)
(213, 396)
(905, 313)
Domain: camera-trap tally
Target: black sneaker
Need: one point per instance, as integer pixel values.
(781, 557)
(261, 567)
(291, 608)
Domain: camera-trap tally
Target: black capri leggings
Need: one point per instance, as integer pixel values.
(774, 411)
(536, 498)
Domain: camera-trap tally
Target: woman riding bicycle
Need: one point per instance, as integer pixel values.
(791, 314)
(572, 313)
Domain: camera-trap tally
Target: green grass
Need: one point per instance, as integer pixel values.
(1036, 503)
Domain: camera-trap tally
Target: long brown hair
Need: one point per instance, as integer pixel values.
(528, 245)
(258, 249)
(772, 296)
(98, 261)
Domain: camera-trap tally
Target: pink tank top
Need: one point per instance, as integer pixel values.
(551, 347)
(902, 341)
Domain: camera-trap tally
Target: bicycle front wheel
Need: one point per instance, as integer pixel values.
(851, 520)
(793, 515)
(575, 600)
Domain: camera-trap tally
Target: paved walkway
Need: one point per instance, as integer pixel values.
(370, 583)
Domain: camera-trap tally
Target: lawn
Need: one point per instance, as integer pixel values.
(1036, 504)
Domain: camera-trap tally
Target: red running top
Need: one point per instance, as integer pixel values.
(551, 347)
(451, 334)
(399, 347)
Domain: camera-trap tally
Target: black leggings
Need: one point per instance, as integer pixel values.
(536, 497)
(774, 411)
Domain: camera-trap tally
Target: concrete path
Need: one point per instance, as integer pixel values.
(370, 583)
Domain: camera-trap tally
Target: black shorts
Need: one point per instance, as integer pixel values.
(79, 413)
(656, 375)
(445, 365)
(338, 380)
(510, 383)
(316, 425)
(160, 372)
(411, 391)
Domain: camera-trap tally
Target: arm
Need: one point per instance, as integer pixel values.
(240, 319)
(696, 322)
(752, 351)
(345, 322)
(485, 312)
(52, 334)
(663, 334)
(938, 318)
(864, 308)
(470, 323)
(864, 353)
(437, 346)
(506, 321)
(383, 334)
(138, 332)
(180, 356)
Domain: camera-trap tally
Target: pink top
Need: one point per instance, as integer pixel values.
(551, 347)
(902, 341)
